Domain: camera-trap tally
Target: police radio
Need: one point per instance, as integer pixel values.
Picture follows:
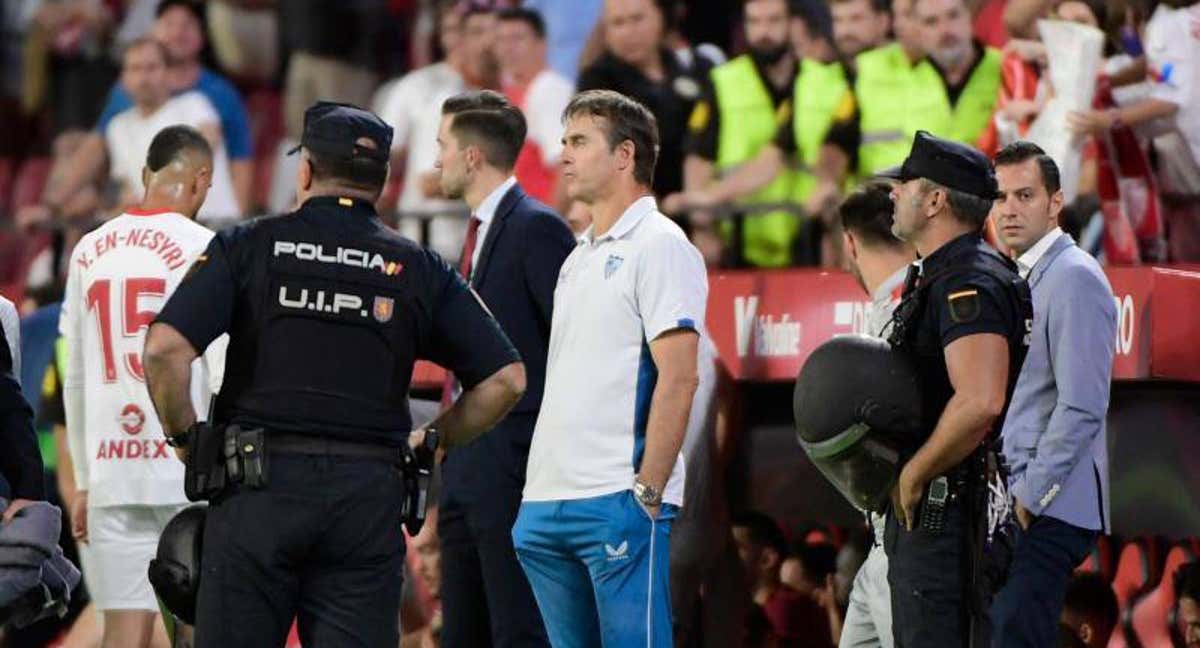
(933, 509)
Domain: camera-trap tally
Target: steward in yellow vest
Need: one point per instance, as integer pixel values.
(745, 126)
(747, 105)
(897, 98)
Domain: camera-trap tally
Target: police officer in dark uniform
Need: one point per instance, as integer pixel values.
(327, 310)
(963, 321)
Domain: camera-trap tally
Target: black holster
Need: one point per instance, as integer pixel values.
(990, 538)
(221, 456)
(418, 478)
(204, 467)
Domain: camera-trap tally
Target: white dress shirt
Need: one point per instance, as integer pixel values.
(1026, 261)
(11, 321)
(883, 303)
(485, 213)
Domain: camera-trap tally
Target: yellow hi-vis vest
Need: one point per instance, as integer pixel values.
(896, 99)
(749, 122)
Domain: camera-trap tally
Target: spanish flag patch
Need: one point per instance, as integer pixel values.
(964, 305)
(196, 265)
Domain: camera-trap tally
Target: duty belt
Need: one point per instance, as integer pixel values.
(314, 445)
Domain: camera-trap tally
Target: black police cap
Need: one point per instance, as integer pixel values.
(950, 164)
(332, 130)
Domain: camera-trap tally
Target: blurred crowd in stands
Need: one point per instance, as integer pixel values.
(769, 112)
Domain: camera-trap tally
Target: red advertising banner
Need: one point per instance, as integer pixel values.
(766, 323)
(1175, 326)
(1132, 290)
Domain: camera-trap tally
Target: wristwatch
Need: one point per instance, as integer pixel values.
(183, 439)
(646, 494)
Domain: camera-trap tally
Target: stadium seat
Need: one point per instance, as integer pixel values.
(17, 252)
(265, 108)
(1152, 616)
(1100, 560)
(29, 182)
(7, 169)
(1138, 569)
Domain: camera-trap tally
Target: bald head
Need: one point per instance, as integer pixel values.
(178, 171)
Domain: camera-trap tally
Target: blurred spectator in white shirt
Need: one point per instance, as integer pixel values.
(541, 93)
(410, 106)
(128, 135)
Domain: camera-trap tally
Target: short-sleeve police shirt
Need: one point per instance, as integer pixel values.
(961, 302)
(327, 310)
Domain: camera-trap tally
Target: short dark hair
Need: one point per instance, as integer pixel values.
(527, 16)
(867, 213)
(816, 16)
(477, 8)
(763, 531)
(1021, 151)
(172, 142)
(625, 119)
(146, 41)
(196, 8)
(488, 120)
(1089, 595)
(819, 560)
(967, 208)
(1187, 581)
(359, 172)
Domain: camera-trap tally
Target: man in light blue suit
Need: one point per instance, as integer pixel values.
(1054, 435)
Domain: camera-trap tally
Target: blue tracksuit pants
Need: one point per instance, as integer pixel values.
(599, 568)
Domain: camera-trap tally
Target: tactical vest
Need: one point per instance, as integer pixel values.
(896, 99)
(908, 317)
(331, 317)
(749, 122)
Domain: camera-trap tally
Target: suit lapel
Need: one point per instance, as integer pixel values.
(1060, 244)
(507, 203)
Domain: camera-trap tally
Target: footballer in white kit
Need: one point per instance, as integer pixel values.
(120, 276)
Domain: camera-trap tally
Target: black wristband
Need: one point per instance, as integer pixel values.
(177, 440)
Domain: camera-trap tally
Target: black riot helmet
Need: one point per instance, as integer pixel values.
(175, 572)
(857, 407)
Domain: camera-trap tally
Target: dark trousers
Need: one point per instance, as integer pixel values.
(321, 543)
(1026, 610)
(927, 574)
(486, 598)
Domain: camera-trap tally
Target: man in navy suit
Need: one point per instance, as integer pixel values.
(21, 479)
(511, 257)
(1054, 435)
